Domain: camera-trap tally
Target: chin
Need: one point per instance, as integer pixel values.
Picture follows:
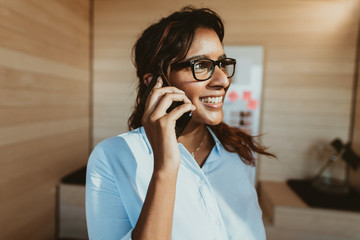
(213, 123)
(213, 120)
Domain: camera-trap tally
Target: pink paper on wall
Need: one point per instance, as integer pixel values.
(233, 96)
(246, 95)
(252, 104)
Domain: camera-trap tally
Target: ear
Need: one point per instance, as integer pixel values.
(147, 78)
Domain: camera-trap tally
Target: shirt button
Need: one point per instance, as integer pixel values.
(218, 223)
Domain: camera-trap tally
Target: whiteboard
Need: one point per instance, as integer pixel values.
(242, 103)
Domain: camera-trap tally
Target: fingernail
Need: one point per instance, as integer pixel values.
(159, 81)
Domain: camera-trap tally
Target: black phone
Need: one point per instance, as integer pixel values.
(183, 121)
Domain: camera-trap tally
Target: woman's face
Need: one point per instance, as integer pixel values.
(207, 96)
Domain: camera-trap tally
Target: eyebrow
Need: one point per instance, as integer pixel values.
(204, 56)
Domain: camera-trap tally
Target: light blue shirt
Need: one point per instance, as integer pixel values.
(217, 201)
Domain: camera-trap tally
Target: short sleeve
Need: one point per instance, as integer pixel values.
(106, 215)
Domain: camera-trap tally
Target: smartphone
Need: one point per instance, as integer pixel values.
(183, 121)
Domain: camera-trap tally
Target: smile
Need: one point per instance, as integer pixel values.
(212, 100)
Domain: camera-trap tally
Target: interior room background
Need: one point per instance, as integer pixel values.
(67, 81)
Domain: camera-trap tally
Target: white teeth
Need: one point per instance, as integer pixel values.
(212, 100)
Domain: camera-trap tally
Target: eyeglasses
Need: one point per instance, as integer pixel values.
(203, 69)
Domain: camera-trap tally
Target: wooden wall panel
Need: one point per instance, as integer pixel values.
(44, 109)
(355, 175)
(308, 69)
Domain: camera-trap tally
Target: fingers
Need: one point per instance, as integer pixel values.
(157, 94)
(158, 91)
(166, 95)
(177, 112)
(159, 101)
(165, 102)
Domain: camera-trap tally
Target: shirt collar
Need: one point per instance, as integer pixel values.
(218, 144)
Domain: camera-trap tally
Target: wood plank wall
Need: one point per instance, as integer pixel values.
(355, 175)
(44, 109)
(308, 69)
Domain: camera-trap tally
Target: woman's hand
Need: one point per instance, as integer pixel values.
(160, 126)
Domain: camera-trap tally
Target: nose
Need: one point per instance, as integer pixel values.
(219, 78)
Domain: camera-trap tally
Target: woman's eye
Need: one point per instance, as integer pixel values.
(224, 63)
(201, 66)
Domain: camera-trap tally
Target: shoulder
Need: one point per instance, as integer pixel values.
(120, 148)
(134, 139)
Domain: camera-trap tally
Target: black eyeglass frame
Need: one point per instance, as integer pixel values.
(191, 63)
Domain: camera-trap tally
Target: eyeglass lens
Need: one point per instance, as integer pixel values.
(204, 68)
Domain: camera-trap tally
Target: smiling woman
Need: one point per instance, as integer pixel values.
(149, 184)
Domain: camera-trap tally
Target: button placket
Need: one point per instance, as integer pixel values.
(208, 198)
(209, 202)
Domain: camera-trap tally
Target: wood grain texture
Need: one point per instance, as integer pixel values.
(355, 175)
(44, 109)
(308, 69)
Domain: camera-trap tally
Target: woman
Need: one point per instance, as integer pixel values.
(147, 184)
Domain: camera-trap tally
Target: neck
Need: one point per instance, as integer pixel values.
(192, 132)
(192, 136)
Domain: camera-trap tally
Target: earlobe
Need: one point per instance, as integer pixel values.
(147, 78)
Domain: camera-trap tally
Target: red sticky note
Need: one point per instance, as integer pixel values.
(252, 104)
(246, 95)
(233, 96)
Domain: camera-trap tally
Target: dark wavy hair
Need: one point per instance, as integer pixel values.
(167, 42)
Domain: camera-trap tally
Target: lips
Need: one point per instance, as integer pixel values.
(212, 100)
